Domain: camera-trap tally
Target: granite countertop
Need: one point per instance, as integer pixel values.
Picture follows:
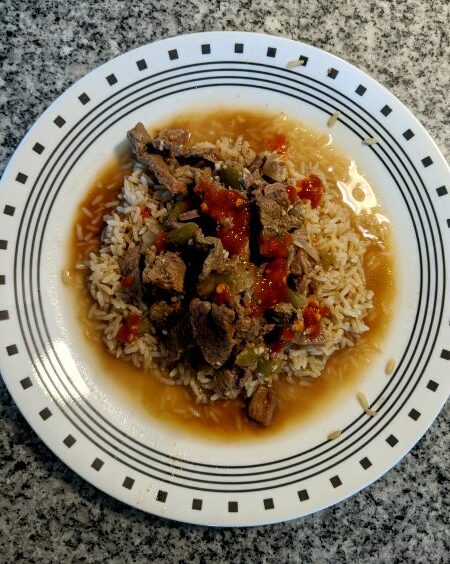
(48, 513)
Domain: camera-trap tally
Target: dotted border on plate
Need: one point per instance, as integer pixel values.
(127, 482)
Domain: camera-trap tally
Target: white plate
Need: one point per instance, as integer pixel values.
(51, 372)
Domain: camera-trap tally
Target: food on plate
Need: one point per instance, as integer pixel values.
(224, 269)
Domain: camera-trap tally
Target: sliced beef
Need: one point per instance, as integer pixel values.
(161, 312)
(225, 382)
(141, 145)
(165, 271)
(172, 140)
(180, 339)
(276, 214)
(130, 267)
(282, 314)
(213, 330)
(257, 163)
(139, 139)
(215, 260)
(158, 166)
(262, 405)
(300, 263)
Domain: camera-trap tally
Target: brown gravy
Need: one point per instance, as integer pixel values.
(226, 420)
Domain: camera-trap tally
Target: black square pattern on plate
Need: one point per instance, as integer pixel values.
(448, 222)
(268, 503)
(26, 383)
(9, 210)
(206, 49)
(69, 441)
(304, 60)
(161, 496)
(427, 161)
(38, 148)
(112, 79)
(59, 121)
(386, 110)
(22, 178)
(4, 315)
(441, 191)
(45, 413)
(361, 90)
(303, 495)
(365, 463)
(2, 279)
(97, 464)
(238, 47)
(173, 54)
(445, 354)
(128, 483)
(232, 507)
(197, 504)
(432, 385)
(392, 440)
(332, 73)
(84, 98)
(335, 481)
(3, 245)
(271, 52)
(12, 349)
(414, 414)
(408, 134)
(141, 64)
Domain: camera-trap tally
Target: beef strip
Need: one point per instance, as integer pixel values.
(161, 312)
(165, 271)
(225, 383)
(172, 140)
(257, 163)
(262, 405)
(158, 166)
(213, 330)
(129, 266)
(276, 213)
(300, 264)
(282, 314)
(180, 339)
(141, 143)
(139, 139)
(215, 260)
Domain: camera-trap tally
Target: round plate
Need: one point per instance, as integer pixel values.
(51, 371)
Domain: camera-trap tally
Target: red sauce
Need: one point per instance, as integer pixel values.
(145, 213)
(312, 314)
(292, 193)
(222, 294)
(271, 288)
(310, 188)
(285, 336)
(275, 247)
(231, 211)
(127, 281)
(129, 328)
(161, 242)
(278, 143)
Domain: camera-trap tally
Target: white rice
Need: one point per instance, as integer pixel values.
(341, 288)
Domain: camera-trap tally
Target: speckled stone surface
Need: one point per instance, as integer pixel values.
(49, 514)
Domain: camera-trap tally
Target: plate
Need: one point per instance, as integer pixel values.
(50, 370)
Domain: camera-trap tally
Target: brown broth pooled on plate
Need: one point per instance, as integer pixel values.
(226, 419)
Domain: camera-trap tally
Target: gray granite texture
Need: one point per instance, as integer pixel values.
(49, 514)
